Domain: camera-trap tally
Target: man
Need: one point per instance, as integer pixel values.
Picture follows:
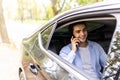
(87, 55)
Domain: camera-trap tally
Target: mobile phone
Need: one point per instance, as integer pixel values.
(75, 37)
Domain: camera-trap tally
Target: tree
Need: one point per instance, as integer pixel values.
(3, 30)
(85, 2)
(57, 6)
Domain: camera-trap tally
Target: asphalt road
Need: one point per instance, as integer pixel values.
(9, 62)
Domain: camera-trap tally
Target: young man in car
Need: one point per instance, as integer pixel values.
(87, 55)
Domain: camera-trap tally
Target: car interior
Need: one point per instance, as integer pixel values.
(100, 31)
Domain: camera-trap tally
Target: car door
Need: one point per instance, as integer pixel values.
(40, 63)
(52, 63)
(100, 29)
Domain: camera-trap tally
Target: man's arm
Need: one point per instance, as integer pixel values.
(103, 57)
(67, 54)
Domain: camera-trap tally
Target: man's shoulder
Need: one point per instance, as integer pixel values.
(68, 45)
(93, 43)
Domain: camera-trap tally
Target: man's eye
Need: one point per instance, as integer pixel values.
(77, 31)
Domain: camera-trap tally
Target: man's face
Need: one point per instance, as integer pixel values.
(80, 32)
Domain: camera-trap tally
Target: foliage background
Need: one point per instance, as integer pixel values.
(40, 9)
(32, 11)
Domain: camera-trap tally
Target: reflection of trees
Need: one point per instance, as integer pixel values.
(117, 74)
(113, 63)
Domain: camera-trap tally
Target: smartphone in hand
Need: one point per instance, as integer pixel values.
(76, 41)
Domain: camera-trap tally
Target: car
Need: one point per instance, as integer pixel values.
(40, 50)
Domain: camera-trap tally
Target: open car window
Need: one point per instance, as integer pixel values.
(100, 31)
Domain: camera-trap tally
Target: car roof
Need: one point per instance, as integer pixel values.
(89, 8)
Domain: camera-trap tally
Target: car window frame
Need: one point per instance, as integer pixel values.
(53, 24)
(88, 19)
(49, 42)
(51, 33)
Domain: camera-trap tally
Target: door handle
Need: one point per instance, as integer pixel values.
(33, 68)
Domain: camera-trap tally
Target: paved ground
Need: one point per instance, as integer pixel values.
(9, 55)
(9, 62)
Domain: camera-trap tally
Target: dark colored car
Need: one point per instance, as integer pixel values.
(41, 60)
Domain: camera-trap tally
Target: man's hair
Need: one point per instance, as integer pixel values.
(71, 26)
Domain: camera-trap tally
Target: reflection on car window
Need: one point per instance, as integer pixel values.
(112, 70)
(45, 35)
(56, 72)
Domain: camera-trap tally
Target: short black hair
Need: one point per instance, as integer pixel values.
(70, 28)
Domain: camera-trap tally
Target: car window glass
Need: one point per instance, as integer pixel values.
(56, 72)
(112, 69)
(45, 35)
(52, 68)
